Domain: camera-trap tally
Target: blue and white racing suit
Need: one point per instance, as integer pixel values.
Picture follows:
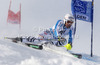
(58, 30)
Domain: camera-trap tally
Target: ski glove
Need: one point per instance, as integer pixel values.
(68, 46)
(61, 38)
(61, 41)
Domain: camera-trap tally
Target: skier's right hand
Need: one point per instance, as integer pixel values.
(17, 39)
(68, 46)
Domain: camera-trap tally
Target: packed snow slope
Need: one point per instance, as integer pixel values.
(17, 54)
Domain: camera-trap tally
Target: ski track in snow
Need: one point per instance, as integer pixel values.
(17, 54)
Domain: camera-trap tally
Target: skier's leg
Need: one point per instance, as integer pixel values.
(30, 39)
(45, 35)
(60, 43)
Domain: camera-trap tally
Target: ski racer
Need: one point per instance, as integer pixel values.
(59, 31)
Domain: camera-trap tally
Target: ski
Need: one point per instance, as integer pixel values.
(77, 55)
(39, 47)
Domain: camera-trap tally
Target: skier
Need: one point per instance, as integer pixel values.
(59, 31)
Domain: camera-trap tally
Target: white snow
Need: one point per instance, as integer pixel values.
(17, 54)
(36, 16)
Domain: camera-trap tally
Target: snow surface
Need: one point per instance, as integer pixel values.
(17, 54)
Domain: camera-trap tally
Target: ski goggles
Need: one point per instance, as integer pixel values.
(69, 22)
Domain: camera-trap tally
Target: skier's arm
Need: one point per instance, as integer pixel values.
(69, 45)
(70, 37)
(58, 28)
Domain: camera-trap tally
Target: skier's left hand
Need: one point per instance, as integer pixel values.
(61, 41)
(61, 38)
